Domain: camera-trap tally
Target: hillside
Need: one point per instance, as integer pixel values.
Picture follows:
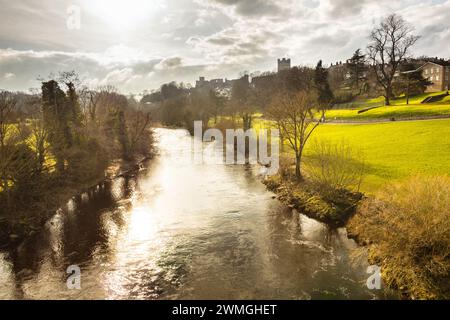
(373, 109)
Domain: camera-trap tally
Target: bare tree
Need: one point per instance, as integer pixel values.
(335, 165)
(243, 101)
(89, 102)
(389, 46)
(139, 124)
(8, 103)
(38, 137)
(107, 99)
(216, 103)
(15, 160)
(295, 117)
(110, 114)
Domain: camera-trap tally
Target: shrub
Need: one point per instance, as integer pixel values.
(335, 166)
(273, 182)
(225, 123)
(408, 228)
(333, 208)
(287, 166)
(344, 97)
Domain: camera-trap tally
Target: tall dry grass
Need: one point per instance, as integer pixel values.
(407, 226)
(335, 166)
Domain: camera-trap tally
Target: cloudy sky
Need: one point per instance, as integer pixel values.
(137, 45)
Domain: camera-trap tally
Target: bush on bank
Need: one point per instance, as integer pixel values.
(407, 230)
(329, 189)
(334, 206)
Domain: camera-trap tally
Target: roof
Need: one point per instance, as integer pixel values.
(442, 63)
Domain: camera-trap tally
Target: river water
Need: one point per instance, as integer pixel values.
(179, 230)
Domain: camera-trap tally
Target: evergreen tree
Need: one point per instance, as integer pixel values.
(410, 81)
(56, 114)
(356, 66)
(243, 99)
(325, 95)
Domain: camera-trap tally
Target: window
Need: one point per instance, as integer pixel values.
(426, 71)
(431, 78)
(437, 78)
(437, 70)
(432, 70)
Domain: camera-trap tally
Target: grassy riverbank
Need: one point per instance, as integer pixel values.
(332, 206)
(406, 228)
(391, 151)
(403, 218)
(394, 151)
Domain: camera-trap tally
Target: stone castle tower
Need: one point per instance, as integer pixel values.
(284, 64)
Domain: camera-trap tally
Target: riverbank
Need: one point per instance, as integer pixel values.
(391, 151)
(384, 151)
(14, 229)
(333, 207)
(405, 228)
(181, 230)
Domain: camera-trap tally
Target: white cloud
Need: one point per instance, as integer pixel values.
(109, 68)
(214, 38)
(249, 9)
(9, 75)
(120, 77)
(169, 63)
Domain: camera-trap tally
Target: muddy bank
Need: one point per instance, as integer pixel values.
(331, 207)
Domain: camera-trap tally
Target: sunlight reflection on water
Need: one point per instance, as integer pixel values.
(181, 230)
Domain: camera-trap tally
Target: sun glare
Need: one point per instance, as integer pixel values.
(123, 13)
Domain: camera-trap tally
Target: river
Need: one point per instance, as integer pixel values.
(178, 230)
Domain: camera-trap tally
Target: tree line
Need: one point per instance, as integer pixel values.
(290, 98)
(296, 99)
(386, 68)
(63, 136)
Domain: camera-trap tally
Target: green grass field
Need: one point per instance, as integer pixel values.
(395, 150)
(417, 99)
(391, 150)
(398, 110)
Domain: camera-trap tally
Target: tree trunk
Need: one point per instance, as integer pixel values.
(60, 165)
(281, 141)
(387, 97)
(407, 91)
(41, 161)
(246, 122)
(298, 173)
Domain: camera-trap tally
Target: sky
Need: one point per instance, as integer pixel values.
(137, 45)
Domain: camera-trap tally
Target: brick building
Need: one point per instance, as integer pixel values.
(438, 72)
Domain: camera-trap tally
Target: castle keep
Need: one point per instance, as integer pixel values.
(284, 64)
